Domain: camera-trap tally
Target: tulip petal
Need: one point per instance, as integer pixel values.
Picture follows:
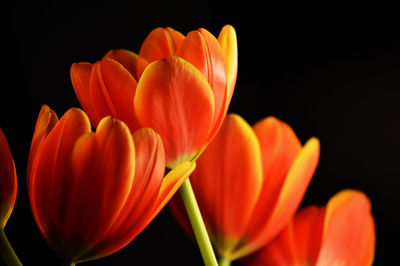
(124, 234)
(48, 194)
(292, 191)
(80, 77)
(171, 183)
(228, 42)
(227, 182)
(175, 100)
(160, 43)
(47, 119)
(126, 58)
(349, 231)
(201, 49)
(298, 244)
(102, 175)
(8, 176)
(112, 90)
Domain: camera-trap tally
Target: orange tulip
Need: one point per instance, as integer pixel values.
(179, 86)
(92, 193)
(249, 183)
(8, 181)
(342, 233)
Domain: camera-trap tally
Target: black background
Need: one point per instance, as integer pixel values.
(329, 71)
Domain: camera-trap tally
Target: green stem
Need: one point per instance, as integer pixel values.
(224, 261)
(7, 252)
(197, 222)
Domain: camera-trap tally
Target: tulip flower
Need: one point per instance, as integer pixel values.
(90, 192)
(342, 233)
(249, 183)
(8, 194)
(179, 86)
(8, 177)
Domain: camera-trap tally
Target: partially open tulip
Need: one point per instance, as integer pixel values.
(179, 86)
(342, 233)
(8, 181)
(249, 183)
(91, 193)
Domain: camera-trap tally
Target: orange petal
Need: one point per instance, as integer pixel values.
(171, 183)
(349, 231)
(50, 174)
(228, 42)
(158, 45)
(298, 244)
(263, 229)
(103, 165)
(201, 49)
(112, 90)
(80, 77)
(149, 173)
(227, 182)
(126, 58)
(47, 119)
(176, 36)
(8, 176)
(175, 100)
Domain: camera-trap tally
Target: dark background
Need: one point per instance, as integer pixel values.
(328, 71)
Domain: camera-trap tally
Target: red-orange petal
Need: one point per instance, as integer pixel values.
(80, 78)
(126, 58)
(103, 163)
(298, 244)
(149, 173)
(47, 119)
(8, 181)
(158, 45)
(175, 99)
(227, 182)
(201, 49)
(228, 42)
(50, 173)
(349, 231)
(112, 90)
(292, 191)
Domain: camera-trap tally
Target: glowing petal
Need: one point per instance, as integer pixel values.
(227, 191)
(175, 100)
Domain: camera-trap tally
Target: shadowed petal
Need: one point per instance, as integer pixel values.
(126, 58)
(112, 89)
(8, 181)
(175, 100)
(80, 78)
(104, 164)
(50, 173)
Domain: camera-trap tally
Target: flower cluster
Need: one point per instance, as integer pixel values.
(160, 116)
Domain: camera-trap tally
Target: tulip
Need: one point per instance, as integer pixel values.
(179, 86)
(8, 194)
(342, 233)
(92, 193)
(249, 183)
(8, 177)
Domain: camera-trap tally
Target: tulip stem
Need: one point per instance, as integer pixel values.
(199, 229)
(7, 252)
(224, 261)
